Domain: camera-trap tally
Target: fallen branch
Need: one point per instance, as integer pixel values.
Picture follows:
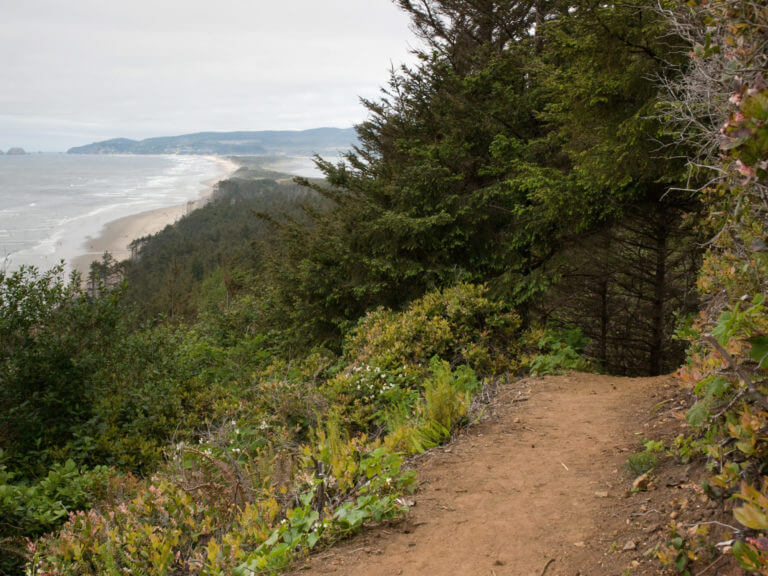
(708, 568)
(715, 523)
(645, 513)
(546, 566)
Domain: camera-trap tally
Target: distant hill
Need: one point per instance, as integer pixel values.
(300, 142)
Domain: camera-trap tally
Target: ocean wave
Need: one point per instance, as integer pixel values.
(67, 199)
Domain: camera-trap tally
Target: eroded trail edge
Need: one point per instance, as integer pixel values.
(537, 486)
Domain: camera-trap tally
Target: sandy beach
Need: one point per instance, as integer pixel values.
(116, 236)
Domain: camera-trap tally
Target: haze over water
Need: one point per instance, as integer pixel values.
(50, 203)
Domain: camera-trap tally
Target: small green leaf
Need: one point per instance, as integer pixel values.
(312, 538)
(273, 538)
(746, 556)
(756, 106)
(751, 516)
(697, 414)
(306, 498)
(759, 352)
(717, 386)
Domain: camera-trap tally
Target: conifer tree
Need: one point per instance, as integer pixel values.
(525, 128)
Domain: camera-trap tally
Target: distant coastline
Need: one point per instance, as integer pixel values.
(62, 213)
(116, 236)
(243, 143)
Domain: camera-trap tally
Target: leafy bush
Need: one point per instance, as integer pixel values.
(301, 459)
(389, 357)
(305, 525)
(680, 551)
(54, 339)
(427, 421)
(726, 365)
(165, 528)
(78, 382)
(460, 324)
(142, 535)
(32, 508)
(556, 351)
(646, 460)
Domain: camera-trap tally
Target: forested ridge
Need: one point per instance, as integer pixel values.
(554, 185)
(264, 142)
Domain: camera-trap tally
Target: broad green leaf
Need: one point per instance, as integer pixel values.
(312, 538)
(717, 386)
(697, 414)
(751, 516)
(273, 538)
(756, 106)
(723, 330)
(759, 352)
(746, 556)
(681, 562)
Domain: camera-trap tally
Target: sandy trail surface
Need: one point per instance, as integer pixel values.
(539, 486)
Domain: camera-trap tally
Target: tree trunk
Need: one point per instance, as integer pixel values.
(604, 322)
(656, 360)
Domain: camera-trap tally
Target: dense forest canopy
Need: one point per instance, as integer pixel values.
(536, 192)
(525, 130)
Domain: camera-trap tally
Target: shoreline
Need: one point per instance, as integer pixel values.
(116, 235)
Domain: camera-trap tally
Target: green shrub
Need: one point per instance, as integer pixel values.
(54, 339)
(165, 528)
(460, 324)
(556, 351)
(429, 420)
(308, 453)
(31, 508)
(447, 394)
(646, 460)
(388, 357)
(305, 526)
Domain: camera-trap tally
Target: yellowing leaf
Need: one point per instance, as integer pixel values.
(751, 517)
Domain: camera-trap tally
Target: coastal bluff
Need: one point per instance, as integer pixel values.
(302, 142)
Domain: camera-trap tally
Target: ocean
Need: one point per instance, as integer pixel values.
(51, 203)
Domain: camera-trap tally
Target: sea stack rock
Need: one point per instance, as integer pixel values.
(16, 151)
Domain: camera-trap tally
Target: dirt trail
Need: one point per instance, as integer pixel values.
(539, 486)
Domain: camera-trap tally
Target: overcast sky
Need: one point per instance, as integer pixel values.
(77, 71)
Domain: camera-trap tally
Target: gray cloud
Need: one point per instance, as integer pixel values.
(80, 70)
